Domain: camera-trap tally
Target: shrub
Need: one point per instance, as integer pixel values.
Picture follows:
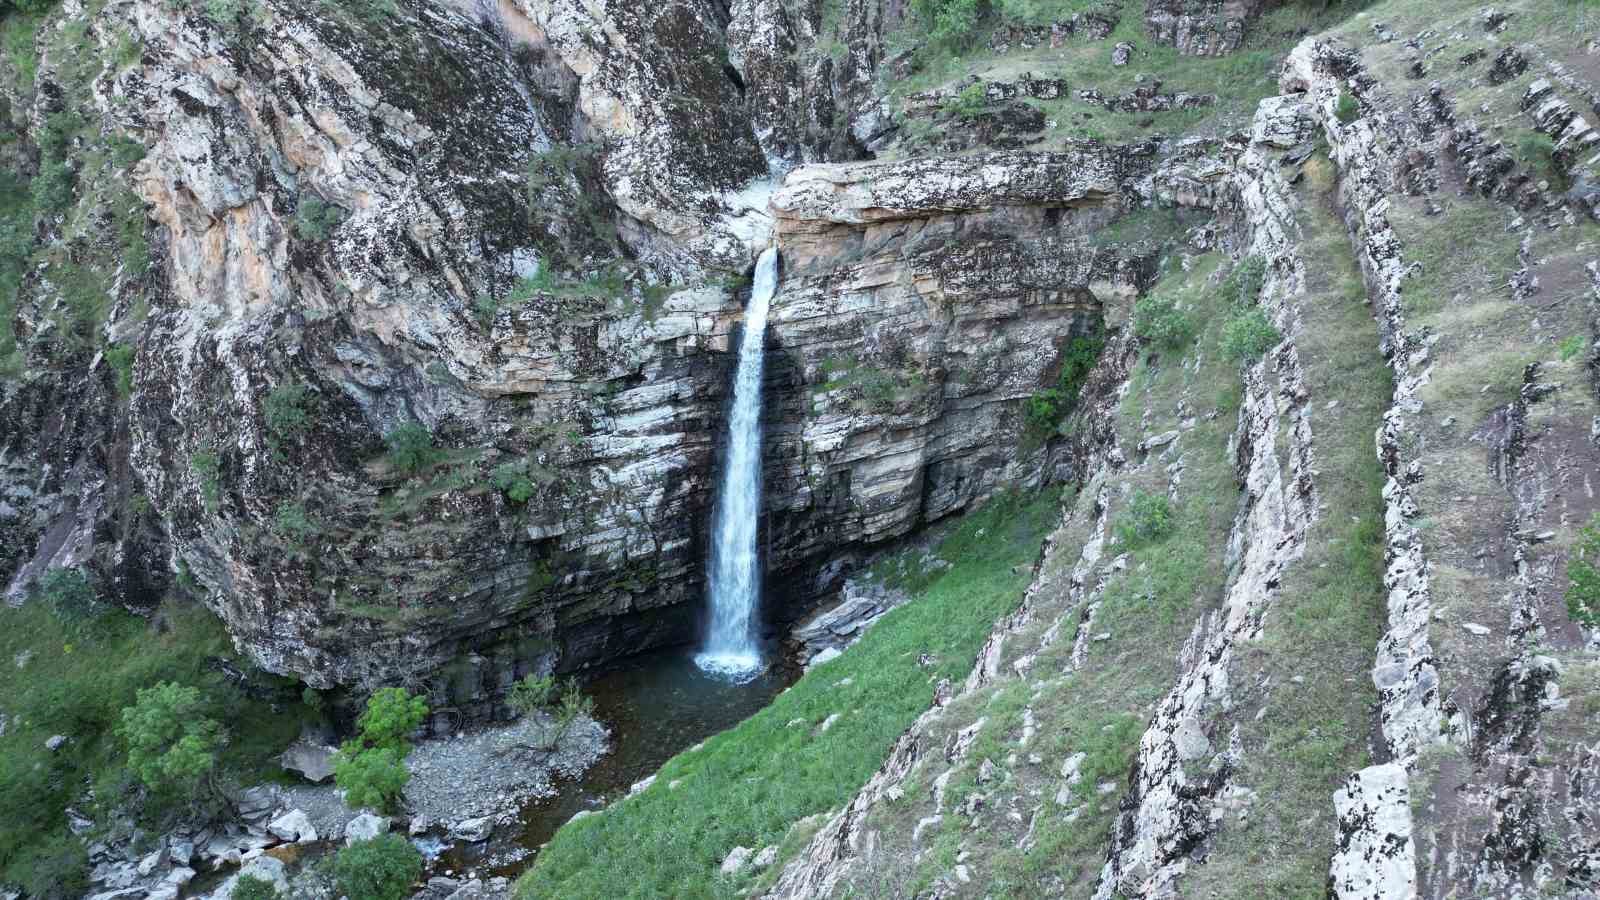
(1347, 109)
(68, 594)
(532, 693)
(120, 358)
(1243, 284)
(1044, 411)
(949, 22)
(574, 705)
(249, 887)
(383, 868)
(285, 410)
(1248, 335)
(1572, 346)
(1158, 321)
(484, 309)
(57, 869)
(208, 469)
(170, 744)
(969, 102)
(292, 523)
(513, 481)
(315, 219)
(1583, 570)
(371, 777)
(1538, 152)
(391, 716)
(1148, 519)
(411, 447)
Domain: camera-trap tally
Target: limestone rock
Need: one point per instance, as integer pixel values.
(294, 826)
(735, 860)
(1375, 857)
(365, 827)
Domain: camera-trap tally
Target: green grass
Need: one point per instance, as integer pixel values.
(77, 677)
(747, 785)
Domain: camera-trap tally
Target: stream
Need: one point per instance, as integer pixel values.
(656, 706)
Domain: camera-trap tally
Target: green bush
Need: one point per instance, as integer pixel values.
(1158, 322)
(969, 102)
(120, 358)
(411, 447)
(291, 523)
(371, 777)
(949, 22)
(1248, 334)
(284, 410)
(392, 714)
(315, 219)
(1347, 109)
(1571, 346)
(1044, 411)
(532, 693)
(1148, 518)
(208, 469)
(68, 594)
(56, 869)
(512, 480)
(1583, 570)
(383, 868)
(1538, 152)
(170, 743)
(484, 309)
(249, 887)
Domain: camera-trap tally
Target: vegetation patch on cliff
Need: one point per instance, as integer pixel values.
(746, 786)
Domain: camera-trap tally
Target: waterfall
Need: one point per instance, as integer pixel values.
(735, 572)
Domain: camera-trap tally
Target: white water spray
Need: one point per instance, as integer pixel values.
(730, 649)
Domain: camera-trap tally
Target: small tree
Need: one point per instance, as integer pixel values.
(170, 744)
(532, 694)
(392, 715)
(383, 868)
(573, 706)
(1148, 519)
(372, 777)
(249, 887)
(68, 594)
(1157, 320)
(371, 768)
(1248, 335)
(411, 447)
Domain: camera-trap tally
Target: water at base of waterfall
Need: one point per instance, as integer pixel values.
(734, 576)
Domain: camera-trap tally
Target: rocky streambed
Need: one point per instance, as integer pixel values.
(464, 789)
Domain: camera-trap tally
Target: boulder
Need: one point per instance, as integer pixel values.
(314, 762)
(365, 827)
(472, 830)
(293, 826)
(735, 860)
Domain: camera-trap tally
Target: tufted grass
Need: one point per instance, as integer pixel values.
(746, 786)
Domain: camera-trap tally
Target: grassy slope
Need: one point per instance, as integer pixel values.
(1327, 619)
(747, 786)
(1239, 80)
(73, 680)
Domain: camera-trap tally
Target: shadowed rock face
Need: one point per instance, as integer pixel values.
(333, 201)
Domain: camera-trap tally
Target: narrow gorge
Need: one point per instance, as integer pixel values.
(799, 449)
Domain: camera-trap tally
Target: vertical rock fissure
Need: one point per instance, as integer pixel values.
(734, 576)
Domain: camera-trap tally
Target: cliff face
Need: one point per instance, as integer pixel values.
(518, 226)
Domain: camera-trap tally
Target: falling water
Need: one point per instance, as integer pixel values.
(730, 648)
